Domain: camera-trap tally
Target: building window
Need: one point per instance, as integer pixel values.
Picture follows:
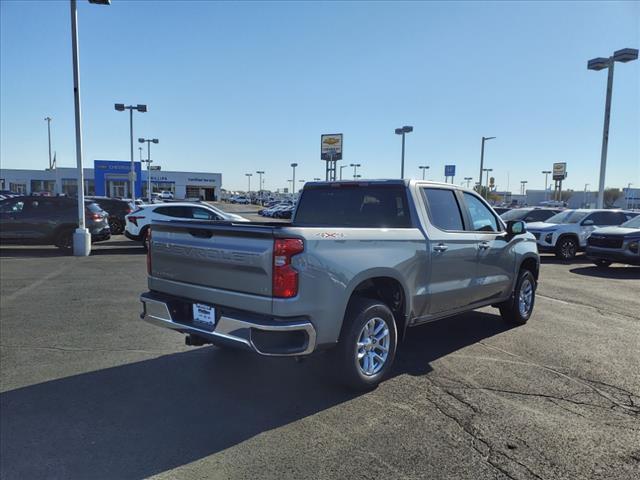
(20, 188)
(89, 187)
(70, 186)
(43, 186)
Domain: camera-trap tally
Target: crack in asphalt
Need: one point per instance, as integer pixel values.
(470, 431)
(632, 409)
(601, 311)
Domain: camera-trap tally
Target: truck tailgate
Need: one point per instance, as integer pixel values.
(224, 256)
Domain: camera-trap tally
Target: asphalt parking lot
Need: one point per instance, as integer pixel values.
(90, 391)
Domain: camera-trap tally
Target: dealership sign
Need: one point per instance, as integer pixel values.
(331, 147)
(559, 171)
(449, 170)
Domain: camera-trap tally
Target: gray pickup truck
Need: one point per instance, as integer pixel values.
(360, 263)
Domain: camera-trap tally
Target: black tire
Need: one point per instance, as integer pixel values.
(566, 248)
(64, 240)
(511, 310)
(602, 263)
(361, 314)
(144, 238)
(116, 226)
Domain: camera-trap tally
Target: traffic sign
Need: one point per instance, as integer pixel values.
(449, 170)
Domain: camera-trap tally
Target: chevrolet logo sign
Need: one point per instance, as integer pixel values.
(331, 141)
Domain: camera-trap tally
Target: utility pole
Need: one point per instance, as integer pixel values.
(484, 139)
(48, 120)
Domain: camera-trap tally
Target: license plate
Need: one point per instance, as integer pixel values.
(204, 314)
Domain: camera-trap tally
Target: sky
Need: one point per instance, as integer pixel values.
(245, 86)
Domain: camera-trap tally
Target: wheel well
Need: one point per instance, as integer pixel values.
(389, 291)
(571, 235)
(531, 265)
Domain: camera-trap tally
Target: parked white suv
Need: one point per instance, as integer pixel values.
(165, 195)
(137, 222)
(566, 233)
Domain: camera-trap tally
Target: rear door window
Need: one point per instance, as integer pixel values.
(358, 205)
(607, 218)
(175, 212)
(200, 213)
(443, 208)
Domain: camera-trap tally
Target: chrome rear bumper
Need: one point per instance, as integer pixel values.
(243, 333)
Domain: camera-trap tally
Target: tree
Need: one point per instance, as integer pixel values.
(611, 196)
(566, 195)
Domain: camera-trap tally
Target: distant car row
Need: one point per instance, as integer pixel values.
(277, 209)
(606, 235)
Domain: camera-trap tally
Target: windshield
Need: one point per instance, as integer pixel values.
(515, 214)
(568, 216)
(633, 223)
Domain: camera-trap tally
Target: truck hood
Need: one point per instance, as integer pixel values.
(617, 232)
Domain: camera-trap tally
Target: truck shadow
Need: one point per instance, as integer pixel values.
(143, 418)
(614, 272)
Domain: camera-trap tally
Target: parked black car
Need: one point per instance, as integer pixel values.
(117, 210)
(529, 214)
(49, 221)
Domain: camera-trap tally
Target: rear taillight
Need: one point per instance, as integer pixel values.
(92, 215)
(149, 251)
(285, 277)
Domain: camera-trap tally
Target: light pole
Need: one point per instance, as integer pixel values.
(468, 180)
(249, 175)
(522, 186)
(424, 169)
(48, 120)
(341, 167)
(140, 151)
(584, 196)
(149, 142)
(402, 131)
(293, 182)
(487, 170)
(484, 139)
(81, 237)
(629, 194)
(121, 107)
(546, 176)
(625, 55)
(355, 168)
(260, 173)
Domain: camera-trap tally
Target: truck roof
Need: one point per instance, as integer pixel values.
(384, 181)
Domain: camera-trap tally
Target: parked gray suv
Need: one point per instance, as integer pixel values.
(360, 263)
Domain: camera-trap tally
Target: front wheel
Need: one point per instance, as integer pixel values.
(566, 248)
(64, 240)
(367, 345)
(519, 307)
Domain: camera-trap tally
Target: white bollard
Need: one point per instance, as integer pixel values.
(81, 242)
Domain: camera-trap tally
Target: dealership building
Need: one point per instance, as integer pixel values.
(111, 178)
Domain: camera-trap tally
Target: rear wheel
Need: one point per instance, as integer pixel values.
(367, 346)
(64, 240)
(144, 236)
(566, 248)
(519, 307)
(116, 226)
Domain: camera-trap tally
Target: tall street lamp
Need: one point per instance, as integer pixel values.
(484, 139)
(468, 180)
(584, 196)
(81, 237)
(341, 167)
(249, 175)
(120, 107)
(625, 55)
(402, 131)
(260, 173)
(546, 183)
(424, 169)
(48, 120)
(522, 185)
(149, 142)
(355, 168)
(293, 182)
(487, 170)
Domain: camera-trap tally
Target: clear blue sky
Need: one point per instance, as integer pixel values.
(239, 87)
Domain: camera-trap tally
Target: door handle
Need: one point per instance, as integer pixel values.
(441, 247)
(483, 245)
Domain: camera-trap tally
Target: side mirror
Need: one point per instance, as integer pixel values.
(587, 223)
(516, 227)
